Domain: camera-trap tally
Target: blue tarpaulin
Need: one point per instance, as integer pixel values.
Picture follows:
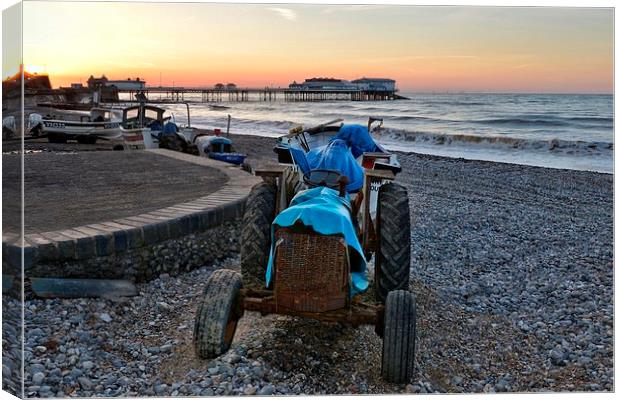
(170, 128)
(336, 156)
(220, 140)
(155, 126)
(299, 156)
(357, 138)
(327, 213)
(340, 154)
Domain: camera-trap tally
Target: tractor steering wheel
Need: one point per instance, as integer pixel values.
(322, 177)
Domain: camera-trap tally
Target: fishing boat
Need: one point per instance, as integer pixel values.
(218, 148)
(146, 126)
(142, 125)
(100, 123)
(210, 143)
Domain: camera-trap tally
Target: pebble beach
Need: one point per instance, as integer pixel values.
(512, 267)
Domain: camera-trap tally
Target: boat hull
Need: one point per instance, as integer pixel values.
(232, 158)
(139, 138)
(103, 130)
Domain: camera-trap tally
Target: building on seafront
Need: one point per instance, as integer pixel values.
(128, 84)
(323, 84)
(364, 84)
(376, 84)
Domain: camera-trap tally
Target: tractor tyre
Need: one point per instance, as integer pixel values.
(260, 209)
(397, 359)
(393, 255)
(218, 314)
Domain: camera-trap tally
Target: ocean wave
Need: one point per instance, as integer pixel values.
(553, 121)
(507, 142)
(416, 118)
(591, 119)
(521, 121)
(246, 124)
(406, 136)
(456, 103)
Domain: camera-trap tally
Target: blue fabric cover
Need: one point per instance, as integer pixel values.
(170, 128)
(328, 214)
(299, 156)
(155, 126)
(336, 156)
(357, 138)
(220, 140)
(233, 158)
(218, 144)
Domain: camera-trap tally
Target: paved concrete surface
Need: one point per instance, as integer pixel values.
(67, 189)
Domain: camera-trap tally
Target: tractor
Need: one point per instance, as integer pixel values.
(309, 233)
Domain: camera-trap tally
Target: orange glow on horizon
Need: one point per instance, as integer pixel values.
(423, 48)
(35, 69)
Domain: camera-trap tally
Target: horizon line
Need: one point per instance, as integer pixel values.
(412, 91)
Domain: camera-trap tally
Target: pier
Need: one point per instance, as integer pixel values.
(197, 94)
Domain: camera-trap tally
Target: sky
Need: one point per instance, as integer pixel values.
(542, 50)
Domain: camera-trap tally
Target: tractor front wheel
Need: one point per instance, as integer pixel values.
(260, 209)
(218, 314)
(393, 257)
(397, 360)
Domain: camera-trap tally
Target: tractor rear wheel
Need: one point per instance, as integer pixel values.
(397, 360)
(393, 255)
(218, 314)
(260, 209)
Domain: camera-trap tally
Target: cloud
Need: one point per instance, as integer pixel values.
(285, 13)
(144, 64)
(421, 57)
(331, 9)
(441, 56)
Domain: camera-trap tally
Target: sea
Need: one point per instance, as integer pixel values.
(548, 130)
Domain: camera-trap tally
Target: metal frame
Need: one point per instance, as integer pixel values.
(275, 172)
(357, 313)
(372, 179)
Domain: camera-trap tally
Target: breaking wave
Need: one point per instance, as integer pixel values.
(568, 146)
(566, 131)
(544, 121)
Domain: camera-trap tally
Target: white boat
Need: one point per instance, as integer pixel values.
(100, 123)
(146, 127)
(218, 148)
(142, 125)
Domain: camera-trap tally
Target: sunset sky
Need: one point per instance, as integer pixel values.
(423, 48)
